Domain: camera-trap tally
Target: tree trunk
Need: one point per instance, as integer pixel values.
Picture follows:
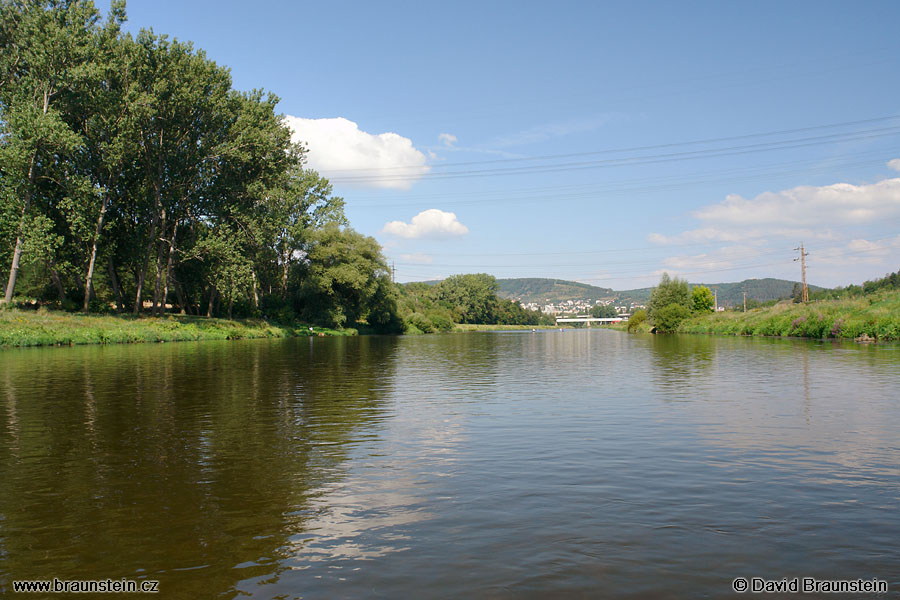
(89, 280)
(165, 292)
(138, 304)
(114, 281)
(212, 299)
(154, 223)
(54, 277)
(230, 303)
(157, 289)
(179, 294)
(17, 252)
(284, 276)
(255, 291)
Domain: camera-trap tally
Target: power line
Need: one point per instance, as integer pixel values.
(631, 148)
(629, 275)
(640, 160)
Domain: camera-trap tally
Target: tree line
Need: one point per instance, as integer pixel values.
(470, 298)
(133, 175)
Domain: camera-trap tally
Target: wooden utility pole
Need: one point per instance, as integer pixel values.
(804, 297)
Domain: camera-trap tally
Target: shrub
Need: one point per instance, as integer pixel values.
(638, 317)
(669, 317)
(440, 322)
(420, 322)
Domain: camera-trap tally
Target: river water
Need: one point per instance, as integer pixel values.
(495, 465)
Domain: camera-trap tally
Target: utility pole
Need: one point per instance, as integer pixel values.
(716, 292)
(393, 272)
(745, 300)
(804, 297)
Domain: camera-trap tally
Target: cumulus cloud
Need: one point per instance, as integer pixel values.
(431, 223)
(859, 252)
(839, 203)
(344, 153)
(804, 212)
(448, 139)
(894, 164)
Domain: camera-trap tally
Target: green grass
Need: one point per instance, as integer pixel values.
(48, 328)
(876, 316)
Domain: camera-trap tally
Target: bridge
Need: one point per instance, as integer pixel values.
(588, 319)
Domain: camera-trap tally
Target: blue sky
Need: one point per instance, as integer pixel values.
(598, 142)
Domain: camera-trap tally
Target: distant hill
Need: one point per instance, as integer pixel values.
(550, 291)
(543, 291)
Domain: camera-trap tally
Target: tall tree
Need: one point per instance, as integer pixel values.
(671, 290)
(44, 61)
(181, 119)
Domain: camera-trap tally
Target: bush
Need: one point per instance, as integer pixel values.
(440, 322)
(638, 317)
(419, 322)
(669, 317)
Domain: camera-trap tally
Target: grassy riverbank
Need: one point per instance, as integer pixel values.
(48, 328)
(875, 316)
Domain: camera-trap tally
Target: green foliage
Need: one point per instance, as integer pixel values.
(669, 317)
(604, 311)
(702, 300)
(876, 316)
(890, 281)
(470, 299)
(638, 317)
(131, 171)
(346, 280)
(669, 291)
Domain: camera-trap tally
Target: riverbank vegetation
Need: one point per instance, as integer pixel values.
(869, 312)
(55, 328)
(875, 316)
(462, 300)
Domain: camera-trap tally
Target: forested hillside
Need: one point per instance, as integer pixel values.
(732, 294)
(532, 289)
(528, 290)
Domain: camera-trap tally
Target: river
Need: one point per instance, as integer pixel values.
(578, 463)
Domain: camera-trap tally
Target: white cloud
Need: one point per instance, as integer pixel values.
(448, 139)
(858, 252)
(417, 258)
(830, 205)
(431, 223)
(739, 234)
(723, 258)
(894, 164)
(341, 151)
